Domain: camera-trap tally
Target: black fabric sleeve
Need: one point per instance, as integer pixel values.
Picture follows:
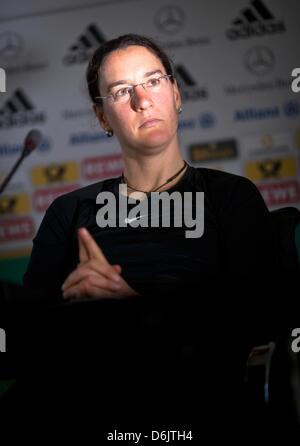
(257, 287)
(50, 258)
(247, 235)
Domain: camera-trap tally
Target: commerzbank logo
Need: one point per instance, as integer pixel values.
(19, 111)
(256, 20)
(84, 46)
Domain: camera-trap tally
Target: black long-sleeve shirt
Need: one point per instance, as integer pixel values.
(197, 345)
(237, 242)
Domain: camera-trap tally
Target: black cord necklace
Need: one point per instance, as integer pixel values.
(166, 182)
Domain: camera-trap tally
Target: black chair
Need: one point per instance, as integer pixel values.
(273, 369)
(286, 223)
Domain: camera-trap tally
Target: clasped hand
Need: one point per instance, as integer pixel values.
(94, 277)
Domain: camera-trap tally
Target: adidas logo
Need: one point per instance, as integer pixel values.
(18, 102)
(256, 20)
(188, 88)
(85, 45)
(19, 111)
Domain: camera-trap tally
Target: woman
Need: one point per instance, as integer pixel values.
(136, 98)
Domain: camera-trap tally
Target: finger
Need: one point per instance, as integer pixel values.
(93, 250)
(91, 277)
(92, 286)
(76, 277)
(92, 292)
(83, 254)
(106, 270)
(96, 280)
(110, 271)
(117, 268)
(91, 266)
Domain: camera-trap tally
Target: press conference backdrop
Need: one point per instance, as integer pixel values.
(233, 62)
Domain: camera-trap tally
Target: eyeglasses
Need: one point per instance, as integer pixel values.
(125, 93)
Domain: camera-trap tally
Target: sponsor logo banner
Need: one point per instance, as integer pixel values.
(98, 167)
(271, 168)
(204, 121)
(265, 146)
(11, 48)
(255, 20)
(290, 109)
(84, 113)
(81, 138)
(14, 204)
(259, 60)
(257, 87)
(55, 173)
(16, 229)
(42, 198)
(19, 111)
(214, 150)
(85, 45)
(189, 89)
(170, 20)
(280, 193)
(11, 45)
(7, 149)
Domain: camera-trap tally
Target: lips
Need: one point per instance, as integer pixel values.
(151, 122)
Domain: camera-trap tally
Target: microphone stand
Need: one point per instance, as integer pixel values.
(7, 179)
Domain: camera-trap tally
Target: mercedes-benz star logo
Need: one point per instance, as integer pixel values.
(169, 19)
(10, 44)
(260, 60)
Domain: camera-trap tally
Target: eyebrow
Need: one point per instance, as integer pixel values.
(120, 82)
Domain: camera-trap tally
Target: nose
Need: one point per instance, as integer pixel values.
(141, 98)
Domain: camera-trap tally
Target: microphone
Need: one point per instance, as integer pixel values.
(31, 142)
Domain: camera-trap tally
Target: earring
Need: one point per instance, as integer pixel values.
(109, 133)
(179, 110)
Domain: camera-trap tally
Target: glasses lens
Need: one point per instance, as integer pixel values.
(155, 85)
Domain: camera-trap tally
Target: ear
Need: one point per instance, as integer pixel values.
(99, 112)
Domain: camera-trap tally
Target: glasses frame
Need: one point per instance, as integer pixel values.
(132, 91)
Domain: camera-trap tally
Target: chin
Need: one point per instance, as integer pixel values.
(156, 139)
